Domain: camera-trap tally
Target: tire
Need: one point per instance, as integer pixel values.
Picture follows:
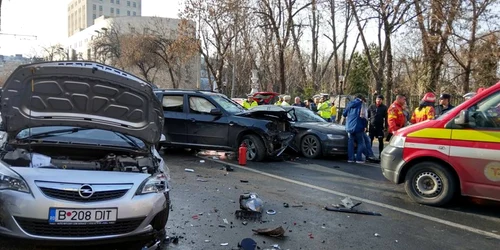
(310, 146)
(256, 151)
(430, 183)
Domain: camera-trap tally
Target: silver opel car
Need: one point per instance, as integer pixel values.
(78, 159)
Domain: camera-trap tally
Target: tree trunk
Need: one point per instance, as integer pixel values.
(282, 70)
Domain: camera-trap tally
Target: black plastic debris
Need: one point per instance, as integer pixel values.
(250, 207)
(229, 168)
(348, 206)
(286, 205)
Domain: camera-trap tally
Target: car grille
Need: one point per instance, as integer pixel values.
(43, 228)
(70, 195)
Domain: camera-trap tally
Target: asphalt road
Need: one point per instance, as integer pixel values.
(204, 198)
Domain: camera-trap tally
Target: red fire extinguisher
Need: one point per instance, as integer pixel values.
(242, 154)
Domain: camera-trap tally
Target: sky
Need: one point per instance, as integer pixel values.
(47, 20)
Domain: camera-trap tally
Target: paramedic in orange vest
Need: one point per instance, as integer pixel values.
(395, 117)
(425, 110)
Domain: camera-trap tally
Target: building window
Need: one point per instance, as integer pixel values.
(112, 10)
(134, 4)
(100, 7)
(94, 7)
(134, 13)
(112, 1)
(118, 11)
(117, 1)
(128, 12)
(128, 3)
(94, 16)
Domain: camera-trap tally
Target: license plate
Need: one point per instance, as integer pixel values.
(82, 216)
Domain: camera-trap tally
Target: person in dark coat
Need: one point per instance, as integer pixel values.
(377, 117)
(444, 105)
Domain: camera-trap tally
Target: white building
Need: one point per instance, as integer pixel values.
(82, 13)
(79, 45)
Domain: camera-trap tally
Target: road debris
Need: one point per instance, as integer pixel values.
(271, 212)
(247, 244)
(348, 206)
(273, 232)
(250, 207)
(224, 244)
(276, 246)
(202, 161)
(202, 180)
(189, 170)
(377, 235)
(229, 168)
(286, 205)
(244, 223)
(310, 236)
(225, 221)
(244, 181)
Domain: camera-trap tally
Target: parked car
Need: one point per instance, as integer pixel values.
(78, 162)
(315, 136)
(264, 98)
(208, 120)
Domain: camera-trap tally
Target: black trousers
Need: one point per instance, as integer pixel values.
(379, 134)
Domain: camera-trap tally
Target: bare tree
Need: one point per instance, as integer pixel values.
(435, 20)
(137, 50)
(278, 17)
(53, 52)
(341, 64)
(107, 46)
(468, 33)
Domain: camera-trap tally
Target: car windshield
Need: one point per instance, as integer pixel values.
(228, 104)
(81, 136)
(306, 115)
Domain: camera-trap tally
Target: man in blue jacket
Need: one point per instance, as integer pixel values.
(355, 127)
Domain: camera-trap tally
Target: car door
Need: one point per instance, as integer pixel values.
(205, 128)
(174, 110)
(475, 149)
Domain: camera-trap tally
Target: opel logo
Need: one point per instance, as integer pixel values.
(85, 191)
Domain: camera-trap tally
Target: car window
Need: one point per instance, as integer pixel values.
(486, 113)
(306, 115)
(200, 105)
(227, 104)
(173, 103)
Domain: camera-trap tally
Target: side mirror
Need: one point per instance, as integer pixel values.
(216, 112)
(463, 118)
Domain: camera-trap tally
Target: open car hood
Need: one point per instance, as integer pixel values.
(269, 110)
(81, 94)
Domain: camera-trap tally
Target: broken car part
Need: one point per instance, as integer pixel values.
(271, 212)
(352, 211)
(273, 232)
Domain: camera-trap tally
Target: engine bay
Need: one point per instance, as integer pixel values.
(39, 156)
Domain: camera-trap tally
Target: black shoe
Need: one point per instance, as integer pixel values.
(373, 159)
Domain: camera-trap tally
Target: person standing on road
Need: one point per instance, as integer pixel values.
(249, 102)
(286, 100)
(395, 116)
(354, 128)
(377, 115)
(425, 110)
(333, 112)
(368, 151)
(280, 100)
(298, 103)
(444, 105)
(324, 109)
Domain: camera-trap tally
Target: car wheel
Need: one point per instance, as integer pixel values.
(256, 151)
(430, 183)
(310, 146)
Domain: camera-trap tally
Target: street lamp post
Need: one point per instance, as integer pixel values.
(66, 53)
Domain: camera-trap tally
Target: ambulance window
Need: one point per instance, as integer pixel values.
(486, 113)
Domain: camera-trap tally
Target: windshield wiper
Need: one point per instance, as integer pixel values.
(129, 140)
(53, 133)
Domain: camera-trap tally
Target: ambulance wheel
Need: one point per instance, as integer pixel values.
(256, 151)
(429, 183)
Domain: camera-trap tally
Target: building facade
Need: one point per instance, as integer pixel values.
(82, 13)
(80, 45)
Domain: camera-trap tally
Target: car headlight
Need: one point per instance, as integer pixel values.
(155, 184)
(10, 180)
(398, 141)
(335, 137)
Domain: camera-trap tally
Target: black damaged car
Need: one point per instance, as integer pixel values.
(208, 120)
(315, 136)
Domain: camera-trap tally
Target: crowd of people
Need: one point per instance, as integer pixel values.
(366, 123)
(380, 121)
